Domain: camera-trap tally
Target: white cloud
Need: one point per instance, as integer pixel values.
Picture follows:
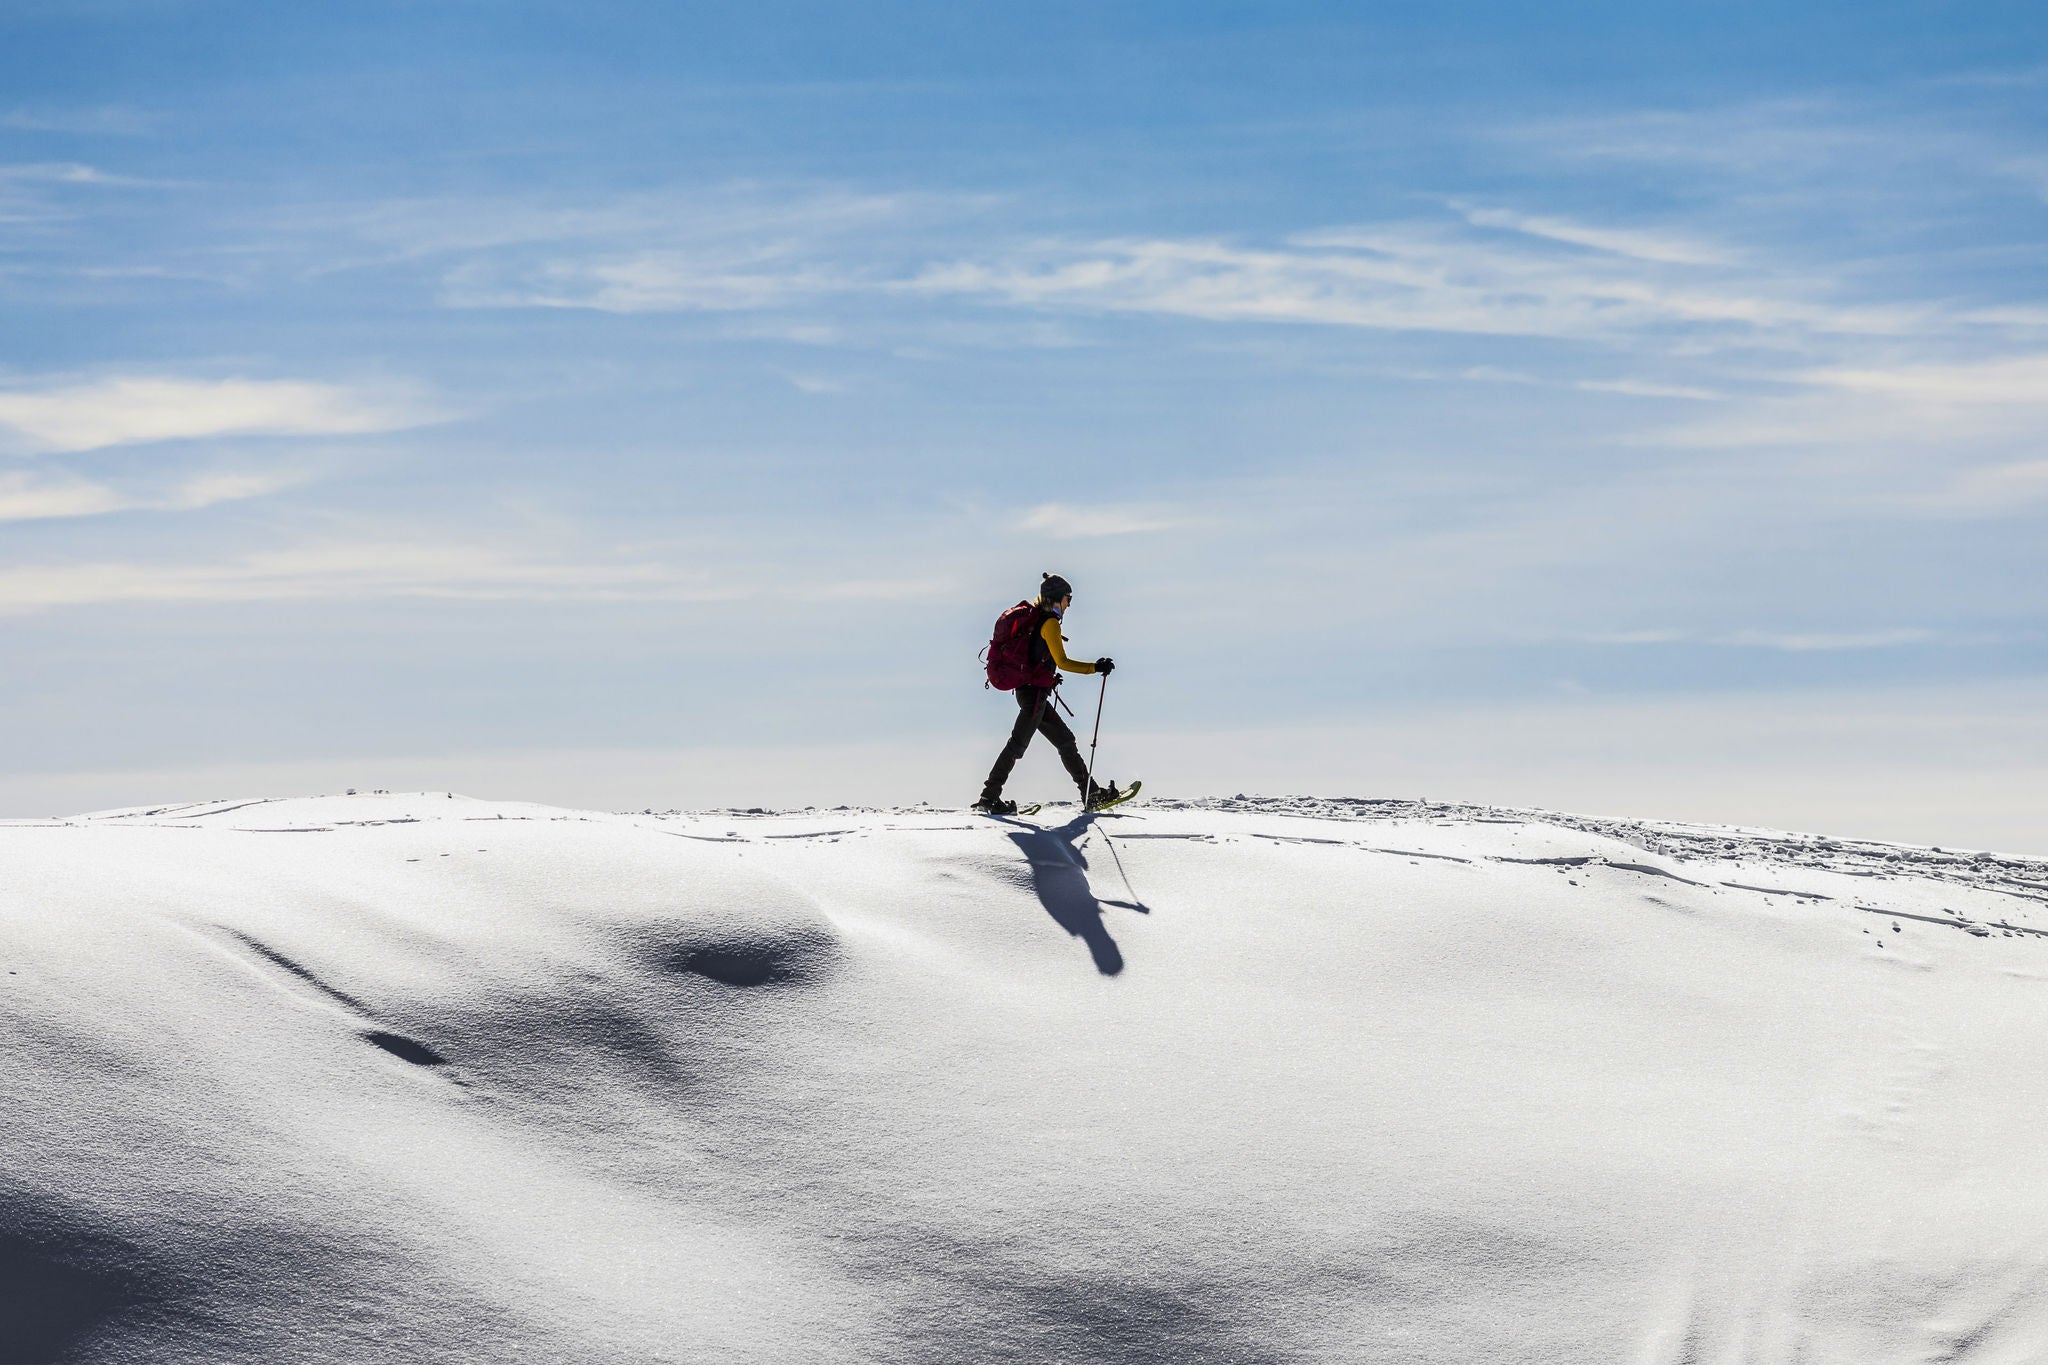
(1482, 269)
(131, 410)
(1943, 405)
(103, 120)
(70, 173)
(1410, 277)
(1636, 637)
(1638, 388)
(1789, 642)
(650, 282)
(349, 570)
(816, 384)
(205, 490)
(2004, 79)
(873, 590)
(736, 249)
(1668, 248)
(2027, 318)
(1807, 642)
(741, 218)
(1762, 139)
(427, 566)
(25, 497)
(2021, 380)
(59, 172)
(746, 250)
(1485, 374)
(1062, 522)
(1989, 489)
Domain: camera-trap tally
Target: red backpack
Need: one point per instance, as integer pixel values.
(1009, 651)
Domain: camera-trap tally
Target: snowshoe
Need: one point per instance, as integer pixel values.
(1102, 797)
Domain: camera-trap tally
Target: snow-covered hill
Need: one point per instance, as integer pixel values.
(405, 1078)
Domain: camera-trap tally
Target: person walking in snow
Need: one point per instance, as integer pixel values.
(1025, 656)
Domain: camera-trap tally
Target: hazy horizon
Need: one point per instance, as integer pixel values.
(1629, 409)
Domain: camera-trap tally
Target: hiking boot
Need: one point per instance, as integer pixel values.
(1100, 793)
(994, 805)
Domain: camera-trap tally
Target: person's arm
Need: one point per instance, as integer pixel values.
(1054, 641)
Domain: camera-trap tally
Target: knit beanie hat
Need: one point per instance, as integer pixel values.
(1051, 587)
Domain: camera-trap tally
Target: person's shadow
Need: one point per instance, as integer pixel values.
(1059, 874)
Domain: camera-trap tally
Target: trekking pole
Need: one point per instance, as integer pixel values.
(1100, 697)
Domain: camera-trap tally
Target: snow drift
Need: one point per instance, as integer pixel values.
(403, 1078)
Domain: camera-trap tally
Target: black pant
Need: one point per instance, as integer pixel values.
(1037, 711)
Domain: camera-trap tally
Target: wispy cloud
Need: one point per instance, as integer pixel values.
(69, 173)
(106, 120)
(1642, 388)
(2008, 78)
(1760, 139)
(1414, 276)
(1061, 522)
(1790, 642)
(2006, 381)
(59, 172)
(763, 219)
(1809, 642)
(27, 497)
(649, 282)
(1664, 247)
(379, 569)
(132, 410)
(816, 383)
(2020, 317)
(1987, 490)
(728, 249)
(777, 257)
(442, 566)
(1482, 269)
(871, 590)
(1902, 404)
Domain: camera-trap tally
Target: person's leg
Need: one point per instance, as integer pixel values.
(1030, 703)
(1053, 728)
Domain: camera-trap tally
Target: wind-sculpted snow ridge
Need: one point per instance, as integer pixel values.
(2023, 878)
(404, 1077)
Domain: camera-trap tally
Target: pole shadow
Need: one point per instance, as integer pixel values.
(1059, 876)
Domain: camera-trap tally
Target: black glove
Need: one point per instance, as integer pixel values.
(1105, 665)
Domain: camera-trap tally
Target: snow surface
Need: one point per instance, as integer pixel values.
(415, 1077)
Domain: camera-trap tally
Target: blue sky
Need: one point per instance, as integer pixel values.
(1634, 407)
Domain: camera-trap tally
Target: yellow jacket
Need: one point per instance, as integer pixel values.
(1056, 642)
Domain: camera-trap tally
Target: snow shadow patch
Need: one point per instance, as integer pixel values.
(738, 965)
(1008, 1313)
(58, 1289)
(747, 956)
(574, 1055)
(1110, 1322)
(297, 971)
(1059, 877)
(404, 1048)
